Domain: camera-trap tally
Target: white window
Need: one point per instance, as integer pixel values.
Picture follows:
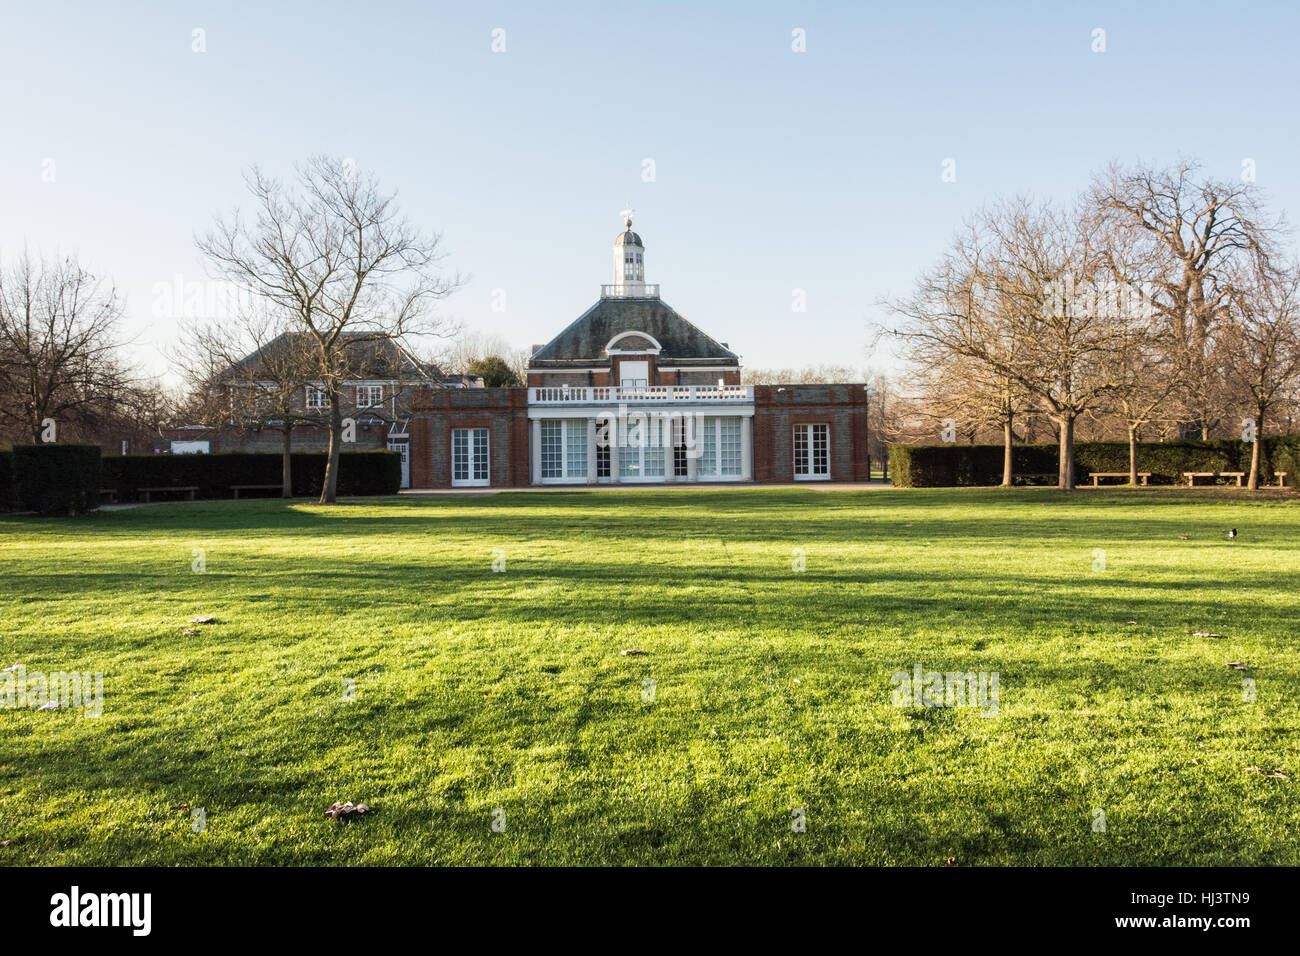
(720, 447)
(370, 396)
(469, 456)
(315, 397)
(564, 448)
(641, 454)
(812, 446)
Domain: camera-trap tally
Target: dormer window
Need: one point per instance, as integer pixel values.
(316, 397)
(370, 396)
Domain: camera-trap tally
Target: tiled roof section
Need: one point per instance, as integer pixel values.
(370, 358)
(585, 338)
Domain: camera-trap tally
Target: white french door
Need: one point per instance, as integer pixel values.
(469, 457)
(564, 449)
(812, 452)
(641, 456)
(404, 447)
(721, 451)
(634, 374)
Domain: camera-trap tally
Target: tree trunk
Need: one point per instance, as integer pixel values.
(1066, 476)
(286, 463)
(1008, 438)
(1253, 483)
(1132, 455)
(329, 490)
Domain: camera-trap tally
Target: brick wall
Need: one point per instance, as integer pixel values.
(688, 377)
(504, 412)
(437, 412)
(778, 408)
(304, 439)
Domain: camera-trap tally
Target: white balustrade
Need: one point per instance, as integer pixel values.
(583, 394)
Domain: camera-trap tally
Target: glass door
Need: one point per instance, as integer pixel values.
(469, 457)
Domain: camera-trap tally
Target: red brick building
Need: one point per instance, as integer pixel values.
(631, 392)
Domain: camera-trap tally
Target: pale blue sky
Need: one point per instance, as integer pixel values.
(775, 170)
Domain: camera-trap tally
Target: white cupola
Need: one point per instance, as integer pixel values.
(629, 261)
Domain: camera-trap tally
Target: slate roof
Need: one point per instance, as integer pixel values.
(584, 340)
(382, 359)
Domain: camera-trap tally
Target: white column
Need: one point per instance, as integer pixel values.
(591, 451)
(670, 449)
(696, 433)
(614, 426)
(747, 448)
(537, 451)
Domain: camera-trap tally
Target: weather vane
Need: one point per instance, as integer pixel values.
(627, 214)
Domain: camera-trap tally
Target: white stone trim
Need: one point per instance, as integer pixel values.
(645, 335)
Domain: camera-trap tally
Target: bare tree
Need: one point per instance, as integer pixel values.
(1143, 362)
(59, 352)
(969, 396)
(1263, 337)
(1198, 232)
(1142, 381)
(471, 346)
(809, 375)
(333, 255)
(1023, 292)
(252, 372)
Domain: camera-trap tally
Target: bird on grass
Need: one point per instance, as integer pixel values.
(1232, 533)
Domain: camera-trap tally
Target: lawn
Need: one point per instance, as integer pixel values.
(482, 696)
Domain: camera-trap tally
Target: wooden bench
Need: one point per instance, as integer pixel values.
(1191, 476)
(110, 493)
(238, 488)
(1094, 475)
(189, 490)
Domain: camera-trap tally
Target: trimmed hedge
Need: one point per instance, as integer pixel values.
(360, 472)
(945, 466)
(8, 497)
(57, 479)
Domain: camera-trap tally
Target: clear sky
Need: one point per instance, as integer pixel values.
(774, 170)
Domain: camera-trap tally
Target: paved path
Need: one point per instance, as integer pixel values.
(531, 489)
(639, 486)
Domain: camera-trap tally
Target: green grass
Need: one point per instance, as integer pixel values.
(478, 690)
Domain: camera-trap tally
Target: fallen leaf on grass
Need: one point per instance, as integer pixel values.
(1132, 622)
(1182, 537)
(1239, 666)
(188, 633)
(11, 668)
(181, 806)
(345, 809)
(1268, 773)
(951, 860)
(208, 619)
(631, 651)
(50, 705)
(1204, 634)
(5, 842)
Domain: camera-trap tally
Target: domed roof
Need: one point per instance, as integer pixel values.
(629, 238)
